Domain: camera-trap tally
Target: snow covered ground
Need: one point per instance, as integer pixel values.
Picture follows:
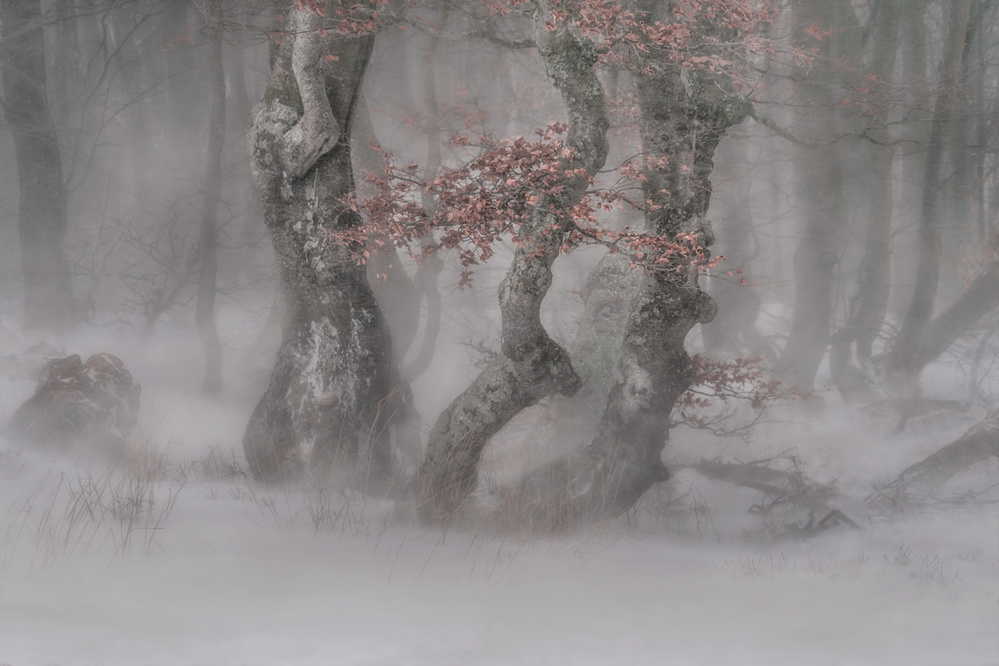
(180, 559)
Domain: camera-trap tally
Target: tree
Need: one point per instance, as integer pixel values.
(208, 245)
(531, 365)
(685, 105)
(331, 394)
(48, 300)
(830, 31)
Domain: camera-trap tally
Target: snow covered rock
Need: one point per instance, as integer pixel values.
(94, 404)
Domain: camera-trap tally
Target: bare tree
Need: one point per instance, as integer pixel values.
(330, 397)
(48, 301)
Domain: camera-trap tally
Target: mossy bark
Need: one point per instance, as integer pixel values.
(530, 365)
(334, 388)
(683, 115)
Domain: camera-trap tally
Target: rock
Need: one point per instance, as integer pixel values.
(93, 404)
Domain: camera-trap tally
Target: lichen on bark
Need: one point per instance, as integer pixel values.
(683, 114)
(531, 365)
(334, 390)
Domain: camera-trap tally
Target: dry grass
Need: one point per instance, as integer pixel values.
(116, 508)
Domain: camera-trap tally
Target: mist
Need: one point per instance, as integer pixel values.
(522, 332)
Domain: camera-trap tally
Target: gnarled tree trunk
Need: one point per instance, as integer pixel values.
(824, 227)
(334, 387)
(531, 365)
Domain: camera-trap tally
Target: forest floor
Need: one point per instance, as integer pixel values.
(179, 558)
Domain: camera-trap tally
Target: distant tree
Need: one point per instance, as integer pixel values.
(828, 32)
(870, 303)
(334, 387)
(48, 301)
(209, 241)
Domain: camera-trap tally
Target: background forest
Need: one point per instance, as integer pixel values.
(614, 290)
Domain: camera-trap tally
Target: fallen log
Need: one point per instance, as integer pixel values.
(979, 443)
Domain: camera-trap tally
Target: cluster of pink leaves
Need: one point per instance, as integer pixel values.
(493, 196)
(735, 379)
(689, 39)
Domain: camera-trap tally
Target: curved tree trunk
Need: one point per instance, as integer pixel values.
(733, 332)
(334, 387)
(531, 365)
(980, 298)
(48, 301)
(683, 116)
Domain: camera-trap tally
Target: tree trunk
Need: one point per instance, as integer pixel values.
(208, 246)
(980, 298)
(48, 301)
(820, 187)
(733, 332)
(393, 287)
(531, 365)
(979, 443)
(334, 389)
(683, 115)
(869, 306)
(429, 270)
(903, 362)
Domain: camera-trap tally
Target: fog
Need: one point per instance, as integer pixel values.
(400, 372)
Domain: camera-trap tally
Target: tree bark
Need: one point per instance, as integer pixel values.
(48, 301)
(335, 388)
(208, 245)
(979, 443)
(531, 365)
(683, 115)
(824, 231)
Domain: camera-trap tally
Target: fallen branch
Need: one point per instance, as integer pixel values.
(979, 443)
